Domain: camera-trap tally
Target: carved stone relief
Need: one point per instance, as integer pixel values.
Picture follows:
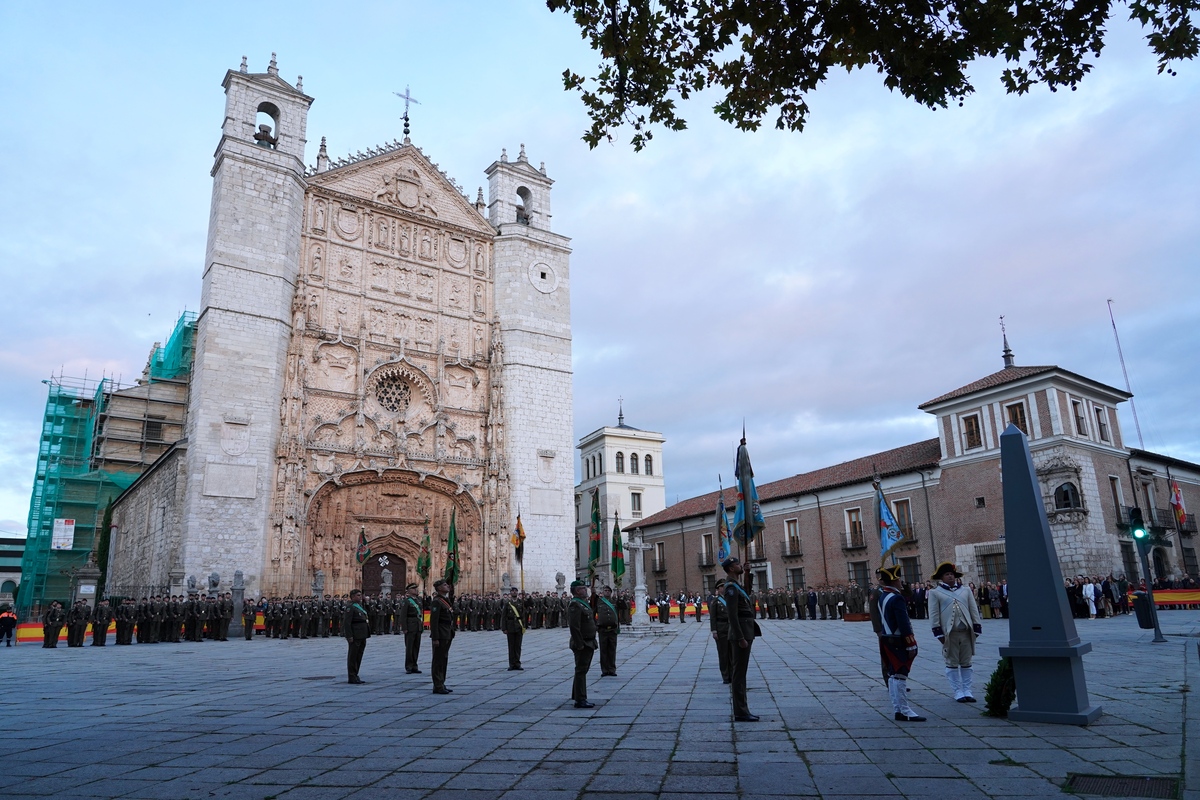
(335, 368)
(457, 251)
(316, 263)
(348, 223)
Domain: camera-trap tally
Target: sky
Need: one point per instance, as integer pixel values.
(818, 286)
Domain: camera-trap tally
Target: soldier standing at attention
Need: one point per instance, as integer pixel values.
(718, 622)
(583, 641)
(411, 619)
(608, 626)
(100, 619)
(897, 643)
(52, 623)
(513, 625)
(742, 632)
(441, 634)
(249, 617)
(357, 627)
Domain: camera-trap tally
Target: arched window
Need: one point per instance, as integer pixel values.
(620, 463)
(525, 207)
(600, 456)
(633, 463)
(1066, 497)
(587, 468)
(649, 463)
(266, 126)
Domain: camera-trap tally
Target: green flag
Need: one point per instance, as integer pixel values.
(618, 554)
(452, 569)
(423, 559)
(594, 536)
(364, 551)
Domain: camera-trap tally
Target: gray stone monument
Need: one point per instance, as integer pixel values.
(84, 580)
(238, 592)
(560, 582)
(385, 578)
(639, 548)
(214, 582)
(192, 587)
(318, 583)
(505, 583)
(1043, 644)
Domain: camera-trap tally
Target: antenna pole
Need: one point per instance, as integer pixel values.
(1120, 355)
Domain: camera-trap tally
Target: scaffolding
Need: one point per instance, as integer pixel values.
(97, 438)
(175, 358)
(65, 486)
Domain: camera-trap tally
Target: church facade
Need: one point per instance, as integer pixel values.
(376, 355)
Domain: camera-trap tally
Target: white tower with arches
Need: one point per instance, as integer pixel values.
(533, 314)
(251, 266)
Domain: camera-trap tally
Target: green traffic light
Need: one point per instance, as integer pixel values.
(1137, 525)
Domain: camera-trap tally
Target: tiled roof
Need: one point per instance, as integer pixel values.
(910, 457)
(1006, 375)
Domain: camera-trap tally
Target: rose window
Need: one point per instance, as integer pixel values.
(393, 393)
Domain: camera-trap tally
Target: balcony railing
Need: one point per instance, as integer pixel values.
(855, 540)
(660, 565)
(791, 548)
(706, 559)
(1158, 517)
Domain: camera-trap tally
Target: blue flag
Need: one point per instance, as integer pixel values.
(890, 534)
(724, 542)
(747, 517)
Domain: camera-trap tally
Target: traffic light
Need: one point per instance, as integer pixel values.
(1137, 526)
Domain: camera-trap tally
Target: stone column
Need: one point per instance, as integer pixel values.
(640, 617)
(238, 590)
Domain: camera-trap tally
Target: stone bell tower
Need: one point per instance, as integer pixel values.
(251, 266)
(533, 312)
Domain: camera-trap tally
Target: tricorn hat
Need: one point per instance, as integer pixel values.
(889, 574)
(942, 567)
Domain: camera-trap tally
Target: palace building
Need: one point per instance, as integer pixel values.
(946, 495)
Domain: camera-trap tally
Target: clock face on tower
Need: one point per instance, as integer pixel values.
(543, 277)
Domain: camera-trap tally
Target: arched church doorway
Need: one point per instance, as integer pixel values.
(384, 572)
(392, 510)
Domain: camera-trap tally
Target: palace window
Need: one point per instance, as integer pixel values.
(854, 528)
(902, 511)
(1066, 497)
(856, 571)
(649, 462)
(633, 463)
(791, 543)
(620, 463)
(1016, 415)
(1080, 421)
(1102, 423)
(795, 578)
(972, 432)
(635, 503)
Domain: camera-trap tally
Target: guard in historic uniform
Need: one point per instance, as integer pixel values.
(410, 618)
(513, 625)
(742, 632)
(897, 643)
(608, 626)
(583, 641)
(356, 625)
(441, 634)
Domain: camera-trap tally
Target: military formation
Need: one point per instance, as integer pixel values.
(162, 618)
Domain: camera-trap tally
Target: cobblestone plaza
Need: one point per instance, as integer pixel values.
(271, 719)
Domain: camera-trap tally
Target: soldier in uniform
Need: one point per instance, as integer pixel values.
(249, 616)
(226, 611)
(718, 623)
(52, 624)
(410, 618)
(583, 641)
(742, 632)
(514, 628)
(810, 600)
(357, 626)
(101, 617)
(897, 643)
(441, 634)
(77, 619)
(608, 626)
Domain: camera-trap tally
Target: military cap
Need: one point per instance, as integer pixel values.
(727, 563)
